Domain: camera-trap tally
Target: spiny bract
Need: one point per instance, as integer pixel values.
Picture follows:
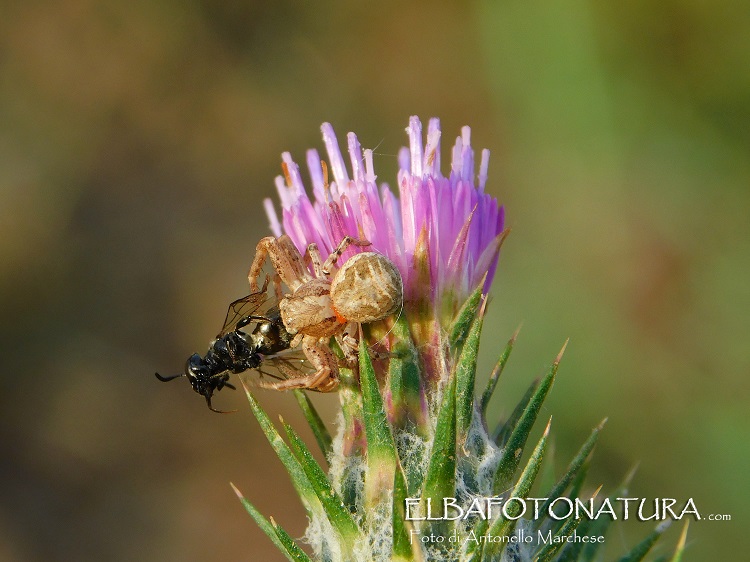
(411, 424)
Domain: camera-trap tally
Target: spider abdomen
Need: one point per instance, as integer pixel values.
(367, 288)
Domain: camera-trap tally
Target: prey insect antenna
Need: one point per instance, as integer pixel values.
(167, 379)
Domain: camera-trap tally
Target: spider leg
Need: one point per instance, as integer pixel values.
(261, 252)
(313, 381)
(324, 379)
(288, 263)
(296, 340)
(349, 344)
(345, 243)
(277, 286)
(285, 259)
(313, 254)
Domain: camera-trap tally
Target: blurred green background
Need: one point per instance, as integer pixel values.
(138, 139)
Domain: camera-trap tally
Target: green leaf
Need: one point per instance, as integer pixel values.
(382, 459)
(350, 397)
(334, 507)
(440, 481)
(294, 552)
(530, 471)
(473, 549)
(546, 478)
(572, 551)
(495, 375)
(290, 462)
(463, 320)
(575, 465)
(405, 382)
(316, 423)
(466, 369)
(403, 549)
(677, 556)
(513, 450)
(502, 526)
(580, 478)
(407, 408)
(641, 549)
(599, 526)
(503, 430)
(441, 473)
(550, 549)
(459, 330)
(263, 523)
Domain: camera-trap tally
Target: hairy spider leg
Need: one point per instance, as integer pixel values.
(345, 243)
(313, 255)
(349, 344)
(324, 379)
(285, 259)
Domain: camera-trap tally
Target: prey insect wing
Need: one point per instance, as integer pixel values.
(247, 306)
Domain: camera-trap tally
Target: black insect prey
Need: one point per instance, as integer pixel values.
(235, 351)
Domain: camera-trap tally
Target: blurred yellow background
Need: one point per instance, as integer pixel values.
(137, 140)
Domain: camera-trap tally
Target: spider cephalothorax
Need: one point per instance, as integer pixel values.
(331, 303)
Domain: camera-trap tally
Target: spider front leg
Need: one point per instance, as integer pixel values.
(256, 268)
(285, 259)
(334, 257)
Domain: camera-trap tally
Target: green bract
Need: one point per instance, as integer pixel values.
(357, 509)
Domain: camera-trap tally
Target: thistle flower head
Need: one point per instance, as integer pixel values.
(442, 232)
(411, 424)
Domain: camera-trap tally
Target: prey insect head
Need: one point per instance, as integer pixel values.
(202, 381)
